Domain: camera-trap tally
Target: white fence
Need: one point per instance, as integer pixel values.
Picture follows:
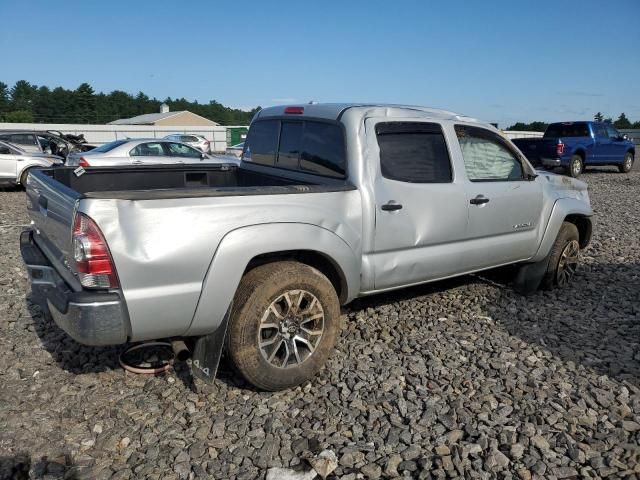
(99, 134)
(521, 134)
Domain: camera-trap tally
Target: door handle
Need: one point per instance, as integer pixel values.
(391, 206)
(479, 200)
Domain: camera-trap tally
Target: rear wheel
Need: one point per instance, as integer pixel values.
(627, 164)
(283, 325)
(23, 178)
(563, 259)
(575, 166)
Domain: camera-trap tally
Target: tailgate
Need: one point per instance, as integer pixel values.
(538, 148)
(51, 207)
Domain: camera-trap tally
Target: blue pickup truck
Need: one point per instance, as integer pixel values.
(576, 145)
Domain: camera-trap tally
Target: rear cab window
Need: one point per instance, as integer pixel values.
(304, 145)
(567, 129)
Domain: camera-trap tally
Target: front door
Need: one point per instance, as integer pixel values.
(8, 165)
(618, 145)
(421, 208)
(602, 150)
(505, 201)
(149, 153)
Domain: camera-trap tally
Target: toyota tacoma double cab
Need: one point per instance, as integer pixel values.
(330, 202)
(576, 145)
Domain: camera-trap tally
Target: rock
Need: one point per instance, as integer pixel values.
(517, 451)
(277, 473)
(371, 471)
(454, 436)
(496, 460)
(540, 443)
(324, 463)
(442, 450)
(630, 426)
(391, 468)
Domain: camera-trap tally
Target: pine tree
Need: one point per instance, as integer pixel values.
(598, 117)
(622, 121)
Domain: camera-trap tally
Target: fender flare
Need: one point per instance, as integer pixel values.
(240, 246)
(562, 208)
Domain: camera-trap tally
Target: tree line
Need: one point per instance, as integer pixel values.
(621, 122)
(25, 102)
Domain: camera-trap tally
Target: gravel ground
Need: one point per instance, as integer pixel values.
(457, 379)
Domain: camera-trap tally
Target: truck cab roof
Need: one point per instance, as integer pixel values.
(334, 111)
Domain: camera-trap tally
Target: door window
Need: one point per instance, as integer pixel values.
(486, 156)
(151, 149)
(181, 150)
(413, 152)
(601, 131)
(612, 132)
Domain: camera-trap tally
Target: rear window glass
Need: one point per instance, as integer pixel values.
(290, 142)
(262, 142)
(311, 146)
(413, 152)
(323, 149)
(107, 147)
(559, 130)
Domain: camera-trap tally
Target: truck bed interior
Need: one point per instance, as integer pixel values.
(175, 181)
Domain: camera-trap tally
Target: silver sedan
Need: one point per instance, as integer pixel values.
(143, 151)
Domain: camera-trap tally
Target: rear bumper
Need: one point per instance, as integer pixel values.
(90, 318)
(551, 162)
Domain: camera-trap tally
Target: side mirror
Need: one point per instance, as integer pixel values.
(625, 137)
(203, 156)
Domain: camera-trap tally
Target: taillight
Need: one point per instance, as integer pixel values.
(93, 261)
(83, 162)
(559, 148)
(294, 110)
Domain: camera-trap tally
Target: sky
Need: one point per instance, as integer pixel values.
(500, 61)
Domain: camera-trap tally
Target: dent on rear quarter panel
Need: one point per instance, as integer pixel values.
(162, 248)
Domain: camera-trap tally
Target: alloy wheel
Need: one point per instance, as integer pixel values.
(568, 263)
(291, 329)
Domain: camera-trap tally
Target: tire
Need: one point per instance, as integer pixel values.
(23, 178)
(563, 258)
(627, 164)
(291, 351)
(575, 166)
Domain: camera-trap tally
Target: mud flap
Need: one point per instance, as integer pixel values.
(207, 352)
(530, 276)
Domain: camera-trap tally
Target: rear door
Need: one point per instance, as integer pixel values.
(504, 205)
(421, 209)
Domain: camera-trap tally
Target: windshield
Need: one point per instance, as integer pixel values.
(107, 147)
(573, 129)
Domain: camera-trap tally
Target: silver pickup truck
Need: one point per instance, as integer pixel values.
(330, 202)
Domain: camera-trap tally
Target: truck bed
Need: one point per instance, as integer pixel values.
(179, 181)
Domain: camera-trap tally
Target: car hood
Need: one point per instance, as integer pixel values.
(563, 186)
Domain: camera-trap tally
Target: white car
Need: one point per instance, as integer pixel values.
(195, 141)
(15, 163)
(143, 151)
